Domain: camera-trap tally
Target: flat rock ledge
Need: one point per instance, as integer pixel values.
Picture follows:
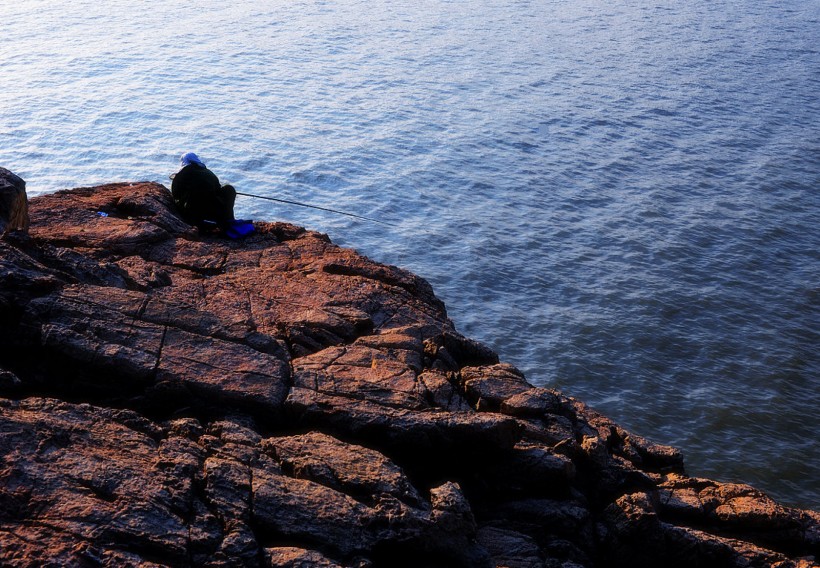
(174, 399)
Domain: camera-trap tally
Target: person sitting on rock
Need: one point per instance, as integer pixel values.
(201, 199)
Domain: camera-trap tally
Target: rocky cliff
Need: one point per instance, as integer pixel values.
(175, 399)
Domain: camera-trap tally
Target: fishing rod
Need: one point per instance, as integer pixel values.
(288, 201)
(300, 204)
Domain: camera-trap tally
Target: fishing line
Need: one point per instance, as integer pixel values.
(300, 204)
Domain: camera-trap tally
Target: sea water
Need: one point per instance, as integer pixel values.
(622, 198)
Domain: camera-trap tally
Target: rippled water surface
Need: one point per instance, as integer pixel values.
(622, 198)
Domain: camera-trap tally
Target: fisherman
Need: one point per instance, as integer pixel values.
(201, 199)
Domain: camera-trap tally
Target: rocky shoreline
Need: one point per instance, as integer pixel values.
(175, 399)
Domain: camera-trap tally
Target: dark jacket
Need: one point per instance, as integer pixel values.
(200, 197)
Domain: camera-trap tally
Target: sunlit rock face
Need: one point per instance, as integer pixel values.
(175, 399)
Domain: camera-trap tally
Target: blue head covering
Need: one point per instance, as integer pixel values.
(191, 158)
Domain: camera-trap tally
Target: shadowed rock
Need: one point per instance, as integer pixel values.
(13, 203)
(174, 399)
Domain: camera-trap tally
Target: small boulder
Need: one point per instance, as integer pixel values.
(13, 203)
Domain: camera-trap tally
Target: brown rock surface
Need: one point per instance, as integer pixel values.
(174, 399)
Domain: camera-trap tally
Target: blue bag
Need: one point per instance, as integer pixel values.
(239, 228)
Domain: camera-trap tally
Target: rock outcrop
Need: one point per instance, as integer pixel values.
(174, 399)
(13, 203)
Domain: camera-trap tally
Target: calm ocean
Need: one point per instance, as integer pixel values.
(622, 198)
